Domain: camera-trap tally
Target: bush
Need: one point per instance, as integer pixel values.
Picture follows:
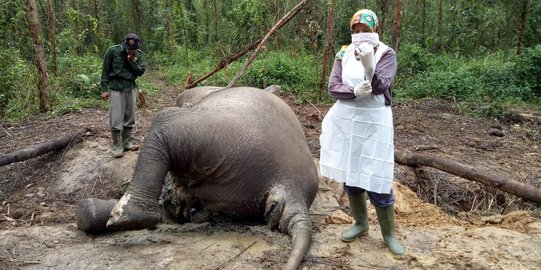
(412, 59)
(17, 85)
(492, 78)
(528, 69)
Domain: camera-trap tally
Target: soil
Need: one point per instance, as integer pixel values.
(445, 222)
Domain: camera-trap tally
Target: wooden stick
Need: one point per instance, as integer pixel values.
(40, 149)
(277, 26)
(499, 182)
(234, 257)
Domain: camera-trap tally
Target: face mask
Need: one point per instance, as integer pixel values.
(370, 38)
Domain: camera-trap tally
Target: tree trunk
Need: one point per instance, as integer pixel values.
(136, 15)
(395, 33)
(329, 47)
(52, 34)
(277, 11)
(383, 6)
(277, 26)
(499, 182)
(35, 31)
(168, 23)
(439, 25)
(40, 149)
(522, 26)
(423, 25)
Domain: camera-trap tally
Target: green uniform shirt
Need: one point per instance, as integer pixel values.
(118, 73)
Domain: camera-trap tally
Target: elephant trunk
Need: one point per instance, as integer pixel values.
(139, 208)
(92, 214)
(301, 233)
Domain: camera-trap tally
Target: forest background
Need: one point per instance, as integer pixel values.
(484, 55)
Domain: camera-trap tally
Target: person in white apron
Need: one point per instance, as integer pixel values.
(357, 133)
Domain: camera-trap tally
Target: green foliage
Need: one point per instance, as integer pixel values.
(17, 83)
(492, 80)
(529, 69)
(297, 74)
(413, 59)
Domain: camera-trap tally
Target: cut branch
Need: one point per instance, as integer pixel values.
(499, 182)
(40, 149)
(284, 20)
(224, 64)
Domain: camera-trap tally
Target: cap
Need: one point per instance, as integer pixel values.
(132, 42)
(364, 16)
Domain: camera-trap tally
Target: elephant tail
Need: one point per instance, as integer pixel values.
(300, 229)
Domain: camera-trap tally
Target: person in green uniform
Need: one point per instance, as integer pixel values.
(122, 64)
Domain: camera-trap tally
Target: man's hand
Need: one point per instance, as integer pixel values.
(132, 56)
(105, 96)
(363, 89)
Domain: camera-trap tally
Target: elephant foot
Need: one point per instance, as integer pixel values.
(92, 214)
(128, 215)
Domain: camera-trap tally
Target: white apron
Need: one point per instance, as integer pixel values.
(357, 135)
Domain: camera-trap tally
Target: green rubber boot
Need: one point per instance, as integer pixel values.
(126, 139)
(360, 214)
(117, 150)
(386, 222)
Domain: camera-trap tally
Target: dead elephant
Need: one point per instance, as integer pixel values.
(238, 153)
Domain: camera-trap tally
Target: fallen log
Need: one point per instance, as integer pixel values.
(499, 182)
(40, 149)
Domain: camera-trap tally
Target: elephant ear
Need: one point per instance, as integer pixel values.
(274, 89)
(274, 207)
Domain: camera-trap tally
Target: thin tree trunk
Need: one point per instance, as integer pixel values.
(136, 15)
(277, 26)
(423, 25)
(439, 25)
(52, 34)
(40, 149)
(277, 11)
(381, 28)
(214, 21)
(35, 31)
(329, 47)
(522, 26)
(488, 178)
(395, 34)
(168, 21)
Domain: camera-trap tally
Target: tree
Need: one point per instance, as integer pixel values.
(384, 7)
(329, 46)
(395, 34)
(52, 34)
(35, 31)
(522, 26)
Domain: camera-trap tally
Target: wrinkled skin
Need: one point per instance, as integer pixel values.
(237, 153)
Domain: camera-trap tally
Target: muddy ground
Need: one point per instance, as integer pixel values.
(445, 222)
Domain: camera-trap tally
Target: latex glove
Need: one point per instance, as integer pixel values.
(105, 96)
(366, 56)
(363, 89)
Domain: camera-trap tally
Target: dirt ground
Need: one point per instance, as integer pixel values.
(445, 222)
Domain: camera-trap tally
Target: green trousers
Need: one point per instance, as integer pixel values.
(122, 105)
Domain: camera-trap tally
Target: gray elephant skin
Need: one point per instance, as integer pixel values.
(237, 153)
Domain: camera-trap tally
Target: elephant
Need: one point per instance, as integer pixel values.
(236, 153)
